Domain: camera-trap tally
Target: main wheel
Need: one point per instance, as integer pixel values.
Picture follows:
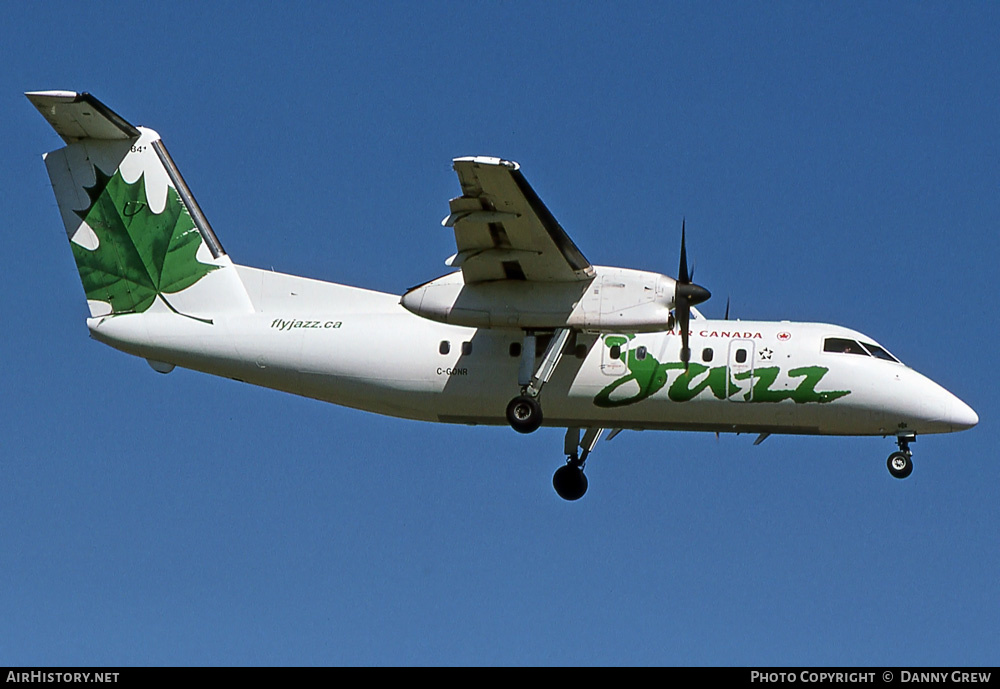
(900, 465)
(524, 414)
(570, 482)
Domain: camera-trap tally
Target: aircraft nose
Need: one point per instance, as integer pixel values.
(927, 407)
(961, 415)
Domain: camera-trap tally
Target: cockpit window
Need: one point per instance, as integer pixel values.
(843, 346)
(879, 353)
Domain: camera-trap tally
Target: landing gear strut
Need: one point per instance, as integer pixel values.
(569, 480)
(899, 463)
(524, 412)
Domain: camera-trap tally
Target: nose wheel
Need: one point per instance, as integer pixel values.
(900, 463)
(569, 481)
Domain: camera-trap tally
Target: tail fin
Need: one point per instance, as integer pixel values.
(139, 238)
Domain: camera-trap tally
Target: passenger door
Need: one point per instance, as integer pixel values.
(740, 365)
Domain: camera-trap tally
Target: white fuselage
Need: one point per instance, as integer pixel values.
(362, 349)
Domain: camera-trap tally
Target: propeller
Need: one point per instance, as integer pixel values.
(686, 295)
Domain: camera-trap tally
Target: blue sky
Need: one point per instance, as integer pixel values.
(834, 162)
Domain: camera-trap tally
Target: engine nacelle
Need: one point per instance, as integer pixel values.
(615, 300)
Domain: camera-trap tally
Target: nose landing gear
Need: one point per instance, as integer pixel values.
(569, 480)
(899, 463)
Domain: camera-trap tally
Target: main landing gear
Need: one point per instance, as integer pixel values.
(524, 412)
(899, 463)
(569, 480)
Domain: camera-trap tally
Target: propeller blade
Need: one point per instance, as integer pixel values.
(686, 295)
(727, 308)
(683, 318)
(682, 272)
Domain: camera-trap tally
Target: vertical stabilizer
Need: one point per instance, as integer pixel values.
(139, 238)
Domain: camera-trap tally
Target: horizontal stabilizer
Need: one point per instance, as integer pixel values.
(78, 116)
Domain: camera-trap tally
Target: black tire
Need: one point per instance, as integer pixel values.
(524, 414)
(900, 465)
(570, 482)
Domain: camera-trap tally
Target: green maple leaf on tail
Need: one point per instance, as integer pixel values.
(140, 254)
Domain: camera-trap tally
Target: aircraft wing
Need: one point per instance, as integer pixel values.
(504, 231)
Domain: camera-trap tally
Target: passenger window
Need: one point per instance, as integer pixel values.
(444, 347)
(707, 354)
(616, 351)
(466, 348)
(843, 346)
(515, 349)
(741, 356)
(640, 353)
